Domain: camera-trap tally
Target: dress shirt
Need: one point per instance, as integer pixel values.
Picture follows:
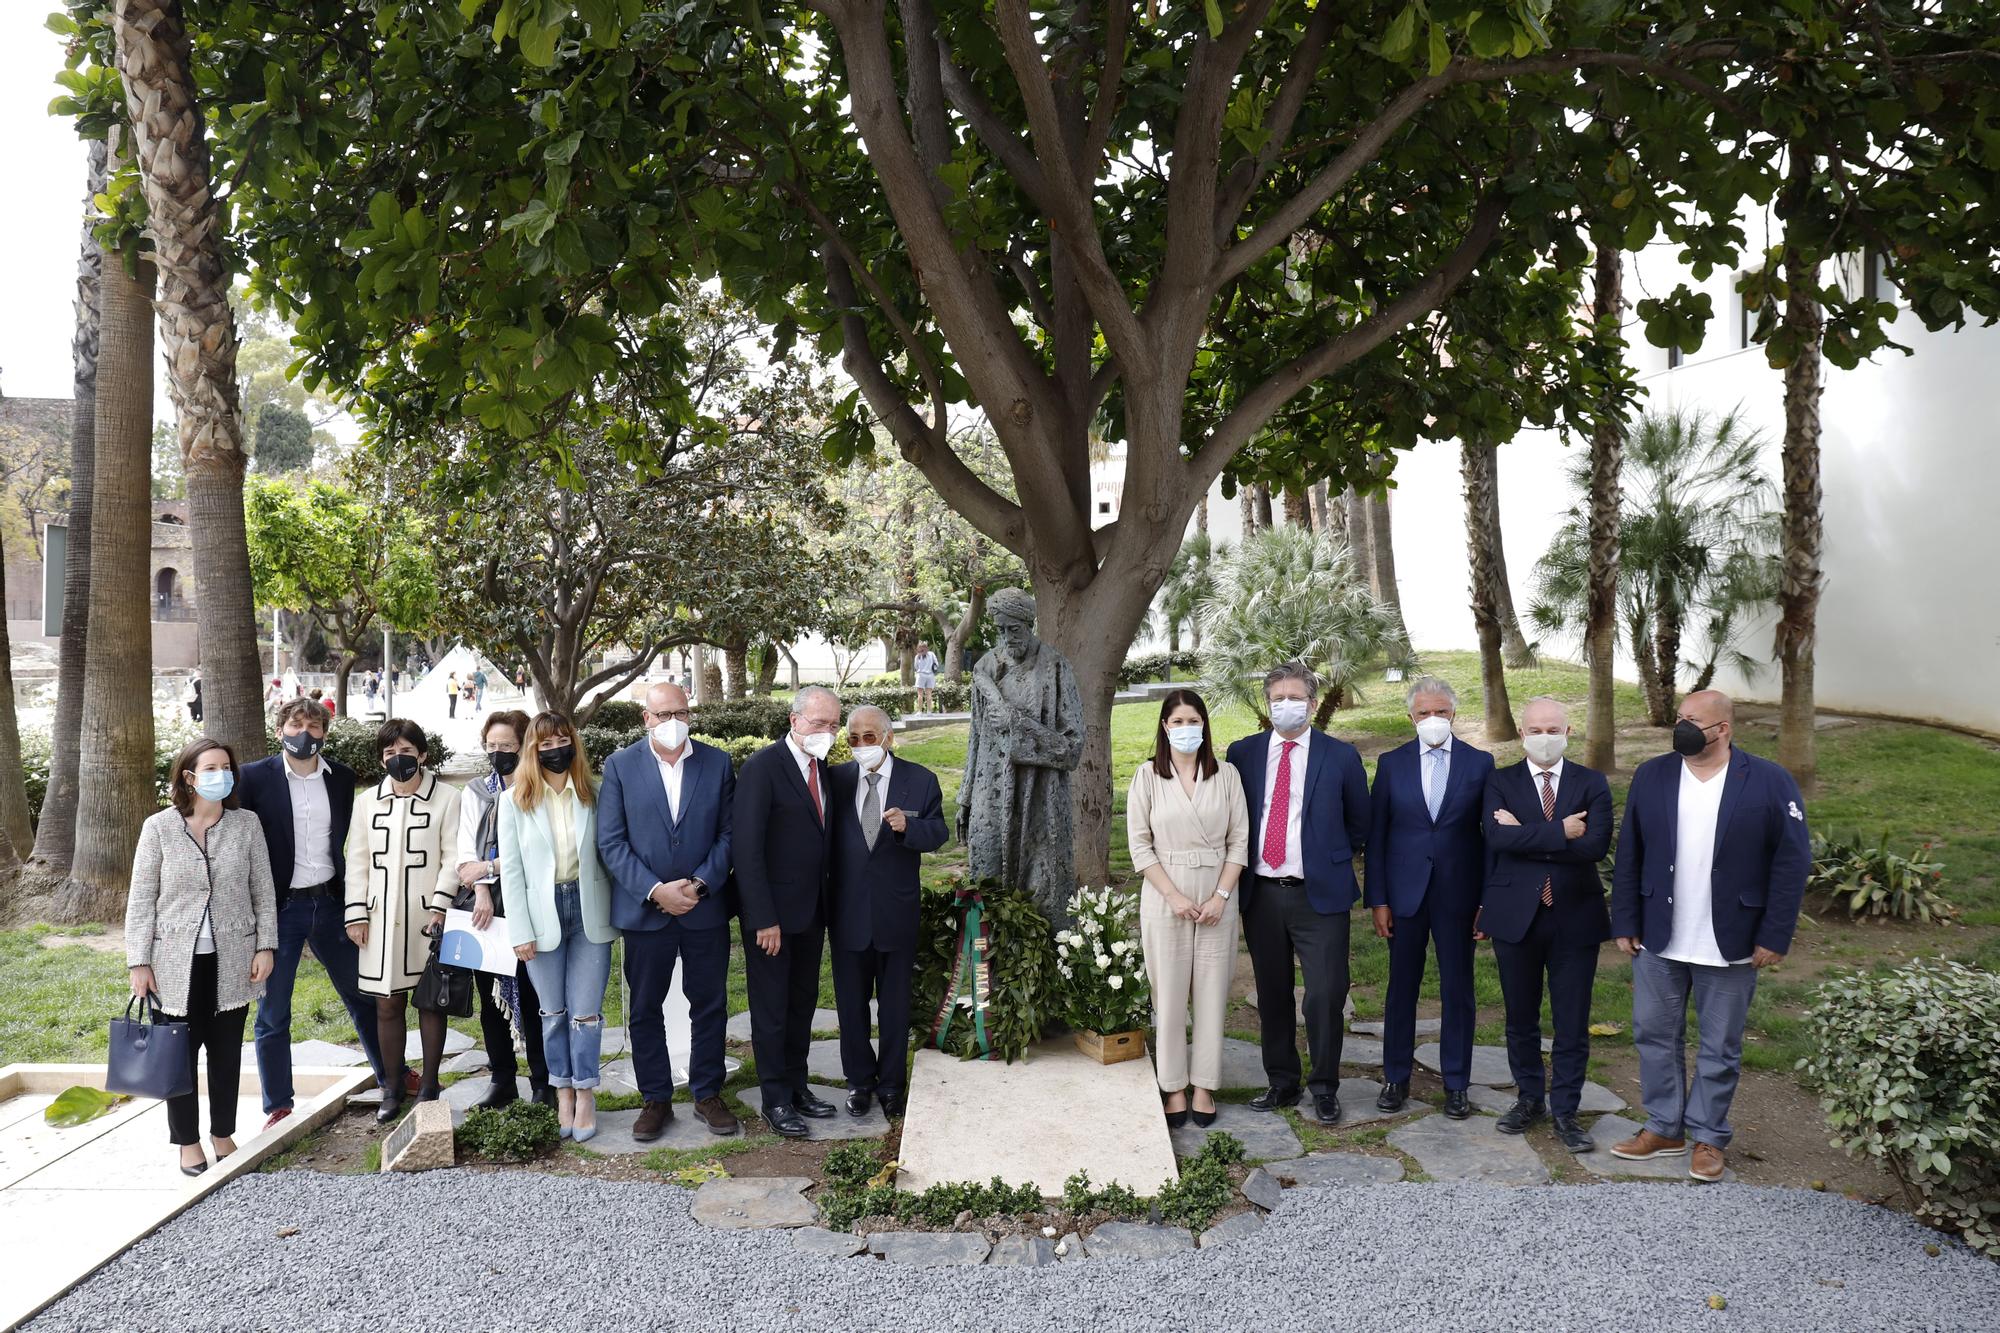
(881, 789)
(561, 806)
(1295, 865)
(671, 773)
(312, 826)
(1693, 940)
(1424, 767)
(806, 775)
(1535, 771)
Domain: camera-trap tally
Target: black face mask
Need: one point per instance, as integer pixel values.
(1689, 738)
(302, 744)
(557, 760)
(504, 761)
(402, 767)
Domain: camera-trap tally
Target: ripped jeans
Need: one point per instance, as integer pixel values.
(570, 981)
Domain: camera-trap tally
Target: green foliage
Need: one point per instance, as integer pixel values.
(1909, 1073)
(1146, 667)
(620, 715)
(284, 440)
(952, 697)
(1104, 986)
(1204, 1187)
(79, 1105)
(518, 1132)
(759, 717)
(353, 743)
(852, 1164)
(1868, 880)
(941, 1204)
(842, 1208)
(1081, 1199)
(1027, 990)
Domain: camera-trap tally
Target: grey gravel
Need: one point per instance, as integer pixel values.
(500, 1250)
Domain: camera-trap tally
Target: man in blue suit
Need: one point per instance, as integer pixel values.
(1425, 867)
(1712, 865)
(304, 801)
(887, 812)
(664, 816)
(1308, 799)
(1548, 824)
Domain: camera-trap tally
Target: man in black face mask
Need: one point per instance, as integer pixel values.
(304, 800)
(1712, 864)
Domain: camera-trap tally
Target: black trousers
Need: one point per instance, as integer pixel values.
(860, 975)
(221, 1035)
(1570, 964)
(1280, 925)
(784, 991)
(497, 1033)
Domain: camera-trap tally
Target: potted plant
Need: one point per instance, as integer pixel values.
(1106, 998)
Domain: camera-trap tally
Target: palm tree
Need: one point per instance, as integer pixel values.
(1479, 466)
(1607, 453)
(1382, 546)
(1190, 580)
(1699, 532)
(1290, 594)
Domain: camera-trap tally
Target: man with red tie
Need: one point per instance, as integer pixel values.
(783, 863)
(1308, 799)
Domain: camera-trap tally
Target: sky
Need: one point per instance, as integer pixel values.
(38, 232)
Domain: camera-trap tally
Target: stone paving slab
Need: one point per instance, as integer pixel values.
(1357, 1104)
(685, 1130)
(823, 1062)
(844, 1126)
(1137, 1240)
(1336, 1168)
(1232, 1229)
(1611, 1129)
(615, 1042)
(832, 1244)
(1070, 1249)
(1262, 1133)
(1489, 1064)
(1597, 1099)
(733, 1204)
(1426, 1027)
(473, 1061)
(930, 1249)
(1022, 1252)
(617, 1076)
(1262, 1188)
(1469, 1150)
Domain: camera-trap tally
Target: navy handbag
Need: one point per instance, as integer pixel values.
(149, 1059)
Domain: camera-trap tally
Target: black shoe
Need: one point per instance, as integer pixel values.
(194, 1170)
(1393, 1096)
(786, 1121)
(502, 1093)
(858, 1101)
(1572, 1135)
(1175, 1119)
(1326, 1106)
(1270, 1099)
(1524, 1112)
(891, 1101)
(805, 1103)
(1456, 1104)
(542, 1094)
(392, 1104)
(428, 1091)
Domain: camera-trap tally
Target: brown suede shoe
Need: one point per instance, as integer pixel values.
(652, 1121)
(1646, 1145)
(718, 1117)
(1706, 1164)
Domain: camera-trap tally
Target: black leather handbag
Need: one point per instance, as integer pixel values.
(444, 989)
(148, 1059)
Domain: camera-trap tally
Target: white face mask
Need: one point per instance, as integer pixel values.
(1187, 740)
(818, 745)
(870, 757)
(1434, 730)
(670, 734)
(1545, 749)
(1289, 714)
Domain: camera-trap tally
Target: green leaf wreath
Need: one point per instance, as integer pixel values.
(1027, 991)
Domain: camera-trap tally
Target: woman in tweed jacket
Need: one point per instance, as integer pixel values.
(201, 925)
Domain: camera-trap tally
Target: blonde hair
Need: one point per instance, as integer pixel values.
(529, 781)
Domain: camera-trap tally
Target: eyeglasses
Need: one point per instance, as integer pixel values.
(678, 715)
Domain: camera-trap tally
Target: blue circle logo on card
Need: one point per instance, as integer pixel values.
(460, 948)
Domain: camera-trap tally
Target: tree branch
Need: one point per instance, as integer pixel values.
(1243, 177)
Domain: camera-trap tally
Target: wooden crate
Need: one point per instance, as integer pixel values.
(1108, 1048)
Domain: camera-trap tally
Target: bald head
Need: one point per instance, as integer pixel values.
(1707, 707)
(664, 698)
(1715, 715)
(868, 725)
(1545, 715)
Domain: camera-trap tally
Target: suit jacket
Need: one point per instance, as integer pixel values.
(642, 844)
(1762, 855)
(1525, 857)
(174, 884)
(1409, 854)
(266, 792)
(784, 859)
(528, 869)
(875, 892)
(1333, 816)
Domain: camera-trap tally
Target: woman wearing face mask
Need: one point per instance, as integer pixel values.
(559, 909)
(402, 869)
(1189, 830)
(201, 930)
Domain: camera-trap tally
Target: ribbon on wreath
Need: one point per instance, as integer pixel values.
(973, 961)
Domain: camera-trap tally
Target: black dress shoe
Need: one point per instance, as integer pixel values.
(786, 1121)
(1270, 1099)
(859, 1100)
(891, 1100)
(1202, 1119)
(1326, 1107)
(1456, 1104)
(428, 1092)
(1175, 1119)
(502, 1093)
(806, 1103)
(1524, 1112)
(391, 1107)
(542, 1094)
(1572, 1135)
(1393, 1096)
(194, 1170)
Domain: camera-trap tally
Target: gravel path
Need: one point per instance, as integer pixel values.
(482, 1250)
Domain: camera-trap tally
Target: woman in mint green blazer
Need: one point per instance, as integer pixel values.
(559, 909)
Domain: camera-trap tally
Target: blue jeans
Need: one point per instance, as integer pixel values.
(314, 920)
(570, 981)
(1677, 1107)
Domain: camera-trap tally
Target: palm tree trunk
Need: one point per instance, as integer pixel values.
(1248, 500)
(1354, 522)
(198, 342)
(115, 741)
(1298, 509)
(1482, 541)
(17, 825)
(1262, 496)
(1201, 515)
(1799, 577)
(1322, 512)
(1668, 620)
(55, 830)
(1382, 547)
(1514, 649)
(734, 674)
(1607, 456)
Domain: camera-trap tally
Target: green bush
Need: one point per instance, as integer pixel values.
(518, 1132)
(1159, 666)
(620, 715)
(842, 1208)
(353, 743)
(1909, 1074)
(851, 1165)
(766, 719)
(1867, 880)
(1204, 1188)
(1080, 1198)
(168, 741)
(600, 742)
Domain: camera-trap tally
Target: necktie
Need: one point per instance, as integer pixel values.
(1281, 808)
(871, 812)
(812, 786)
(1548, 812)
(1434, 789)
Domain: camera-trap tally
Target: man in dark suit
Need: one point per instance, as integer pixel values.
(784, 860)
(1308, 799)
(1712, 865)
(1425, 867)
(887, 812)
(1548, 824)
(304, 801)
(665, 812)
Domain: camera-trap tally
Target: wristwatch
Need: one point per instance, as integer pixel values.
(1223, 894)
(700, 889)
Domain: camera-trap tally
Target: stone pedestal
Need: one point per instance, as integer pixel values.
(423, 1140)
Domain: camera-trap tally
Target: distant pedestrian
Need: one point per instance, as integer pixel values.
(194, 702)
(927, 672)
(521, 679)
(451, 695)
(466, 691)
(479, 687)
(274, 693)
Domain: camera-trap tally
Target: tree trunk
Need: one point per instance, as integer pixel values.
(1248, 501)
(1514, 648)
(1607, 455)
(791, 666)
(1667, 626)
(115, 741)
(198, 344)
(343, 668)
(1262, 494)
(1298, 510)
(961, 634)
(703, 693)
(1201, 515)
(767, 670)
(733, 668)
(17, 825)
(1322, 507)
(1799, 577)
(55, 830)
(1382, 547)
(1482, 540)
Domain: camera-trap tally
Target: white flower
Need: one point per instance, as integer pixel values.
(1062, 951)
(1104, 962)
(1116, 983)
(1064, 968)
(1122, 947)
(1092, 926)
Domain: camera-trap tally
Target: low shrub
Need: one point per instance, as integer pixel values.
(601, 742)
(619, 715)
(518, 1132)
(1909, 1074)
(1159, 666)
(1204, 1188)
(1869, 880)
(728, 719)
(1080, 1198)
(851, 1165)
